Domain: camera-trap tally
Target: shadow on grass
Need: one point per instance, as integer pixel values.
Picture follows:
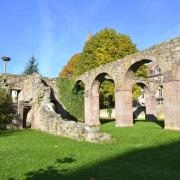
(50, 172)
(66, 160)
(104, 121)
(159, 163)
(4, 133)
(158, 122)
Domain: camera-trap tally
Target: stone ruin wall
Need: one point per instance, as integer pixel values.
(37, 91)
(165, 54)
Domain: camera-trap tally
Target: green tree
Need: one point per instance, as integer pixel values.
(31, 67)
(5, 107)
(106, 94)
(142, 72)
(136, 91)
(105, 46)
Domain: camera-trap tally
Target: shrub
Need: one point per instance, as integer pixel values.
(5, 107)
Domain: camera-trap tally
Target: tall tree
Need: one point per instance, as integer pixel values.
(31, 67)
(105, 46)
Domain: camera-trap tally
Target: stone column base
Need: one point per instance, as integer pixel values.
(172, 128)
(124, 125)
(93, 124)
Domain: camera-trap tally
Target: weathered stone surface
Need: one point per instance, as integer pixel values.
(37, 93)
(41, 95)
(166, 55)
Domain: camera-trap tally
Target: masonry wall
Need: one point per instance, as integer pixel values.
(43, 117)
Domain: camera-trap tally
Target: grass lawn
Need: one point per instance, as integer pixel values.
(144, 151)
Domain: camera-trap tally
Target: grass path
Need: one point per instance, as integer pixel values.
(144, 151)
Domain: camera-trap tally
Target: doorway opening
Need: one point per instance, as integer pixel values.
(26, 117)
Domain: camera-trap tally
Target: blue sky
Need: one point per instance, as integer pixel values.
(54, 30)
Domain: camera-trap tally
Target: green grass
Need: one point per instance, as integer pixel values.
(144, 151)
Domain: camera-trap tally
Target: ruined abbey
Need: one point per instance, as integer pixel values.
(36, 102)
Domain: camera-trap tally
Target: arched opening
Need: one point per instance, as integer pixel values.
(154, 78)
(27, 116)
(140, 92)
(102, 92)
(160, 102)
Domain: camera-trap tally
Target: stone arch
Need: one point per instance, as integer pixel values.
(124, 109)
(132, 65)
(142, 59)
(79, 80)
(95, 105)
(141, 106)
(167, 56)
(144, 86)
(142, 83)
(150, 101)
(79, 83)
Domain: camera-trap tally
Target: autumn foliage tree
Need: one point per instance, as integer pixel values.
(104, 47)
(69, 69)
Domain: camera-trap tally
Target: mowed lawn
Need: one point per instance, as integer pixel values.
(144, 151)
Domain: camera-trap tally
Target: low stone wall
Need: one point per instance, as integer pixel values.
(54, 124)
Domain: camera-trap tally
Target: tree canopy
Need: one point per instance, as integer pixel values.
(105, 46)
(69, 69)
(31, 67)
(5, 106)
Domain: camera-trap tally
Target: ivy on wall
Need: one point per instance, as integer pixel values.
(71, 95)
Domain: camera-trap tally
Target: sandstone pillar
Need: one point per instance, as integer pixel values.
(123, 108)
(91, 108)
(21, 115)
(172, 105)
(95, 109)
(87, 107)
(151, 106)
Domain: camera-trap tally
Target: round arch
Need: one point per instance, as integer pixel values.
(139, 61)
(95, 104)
(124, 110)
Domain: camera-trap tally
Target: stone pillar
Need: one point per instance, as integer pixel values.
(151, 106)
(123, 108)
(21, 115)
(95, 109)
(87, 107)
(172, 105)
(91, 108)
